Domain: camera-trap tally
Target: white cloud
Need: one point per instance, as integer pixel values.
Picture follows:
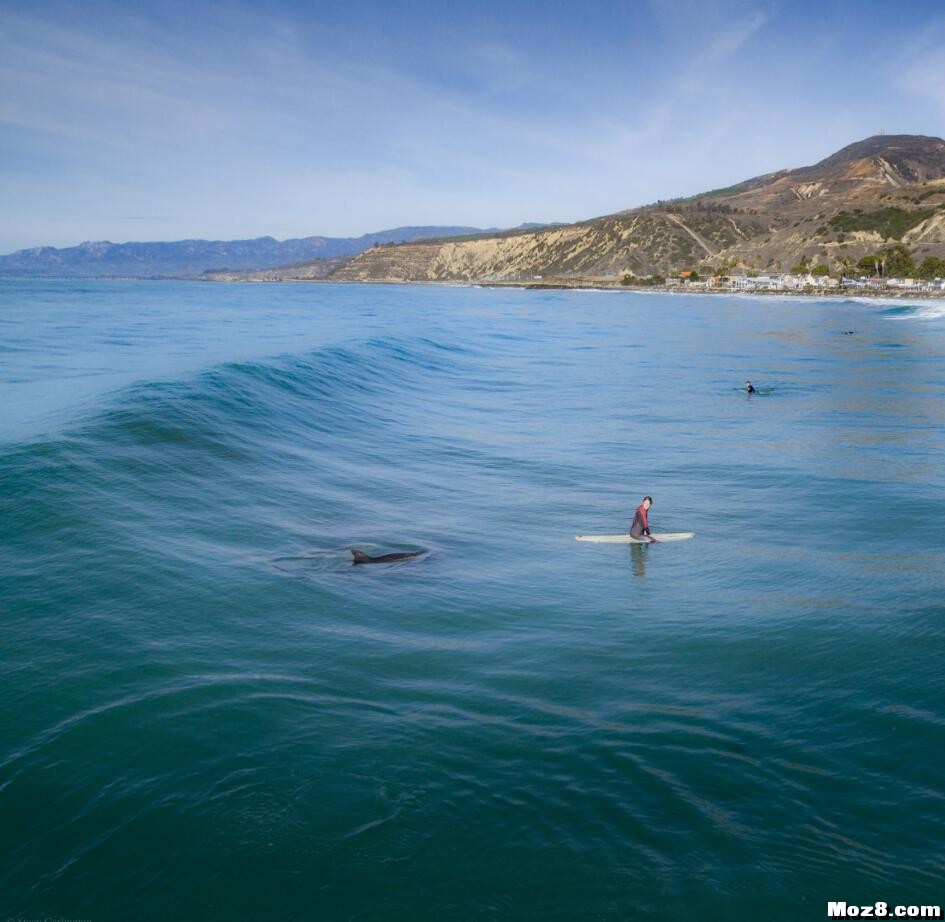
(727, 40)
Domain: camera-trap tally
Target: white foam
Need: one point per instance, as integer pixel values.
(926, 312)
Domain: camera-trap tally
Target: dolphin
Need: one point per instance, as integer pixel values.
(361, 557)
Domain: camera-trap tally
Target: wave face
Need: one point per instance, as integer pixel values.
(209, 712)
(924, 310)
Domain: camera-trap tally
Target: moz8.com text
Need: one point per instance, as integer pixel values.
(881, 911)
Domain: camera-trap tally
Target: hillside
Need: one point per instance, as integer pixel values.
(306, 271)
(882, 190)
(189, 258)
(314, 269)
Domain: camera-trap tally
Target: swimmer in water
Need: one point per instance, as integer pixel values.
(749, 387)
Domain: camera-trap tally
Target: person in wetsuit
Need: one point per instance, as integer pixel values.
(749, 387)
(641, 526)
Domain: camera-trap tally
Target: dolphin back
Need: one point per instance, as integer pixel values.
(361, 557)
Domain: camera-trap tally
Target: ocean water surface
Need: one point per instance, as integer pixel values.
(207, 713)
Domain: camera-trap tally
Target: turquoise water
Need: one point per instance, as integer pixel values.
(206, 713)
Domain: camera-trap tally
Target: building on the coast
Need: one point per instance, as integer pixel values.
(817, 281)
(747, 282)
(806, 281)
(780, 282)
(767, 282)
(865, 281)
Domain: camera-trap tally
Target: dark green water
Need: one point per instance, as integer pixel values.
(206, 713)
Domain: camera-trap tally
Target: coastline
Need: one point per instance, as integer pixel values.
(559, 285)
(586, 285)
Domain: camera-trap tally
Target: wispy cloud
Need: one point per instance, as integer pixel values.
(728, 39)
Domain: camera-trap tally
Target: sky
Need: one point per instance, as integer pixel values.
(162, 121)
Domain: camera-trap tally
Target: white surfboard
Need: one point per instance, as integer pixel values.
(626, 539)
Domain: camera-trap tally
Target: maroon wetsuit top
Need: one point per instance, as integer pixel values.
(640, 524)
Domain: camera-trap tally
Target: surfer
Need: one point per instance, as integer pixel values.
(641, 526)
(749, 387)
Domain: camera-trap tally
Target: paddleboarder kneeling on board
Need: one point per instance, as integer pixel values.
(640, 528)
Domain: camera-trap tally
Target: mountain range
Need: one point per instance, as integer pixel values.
(190, 258)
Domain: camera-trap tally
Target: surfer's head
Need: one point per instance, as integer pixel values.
(647, 502)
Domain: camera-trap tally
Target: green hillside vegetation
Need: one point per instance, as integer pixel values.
(899, 262)
(889, 223)
(932, 267)
(728, 190)
(648, 281)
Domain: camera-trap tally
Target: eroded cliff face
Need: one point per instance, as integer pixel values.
(641, 243)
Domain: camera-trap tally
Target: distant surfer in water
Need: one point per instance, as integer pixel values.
(640, 528)
(749, 387)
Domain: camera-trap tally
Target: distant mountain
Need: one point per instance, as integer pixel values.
(191, 258)
(307, 271)
(869, 195)
(313, 269)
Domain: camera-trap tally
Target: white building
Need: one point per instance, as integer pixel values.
(781, 282)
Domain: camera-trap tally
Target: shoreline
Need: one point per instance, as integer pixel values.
(601, 285)
(821, 293)
(845, 293)
(583, 285)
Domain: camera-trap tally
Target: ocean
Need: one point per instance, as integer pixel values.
(207, 713)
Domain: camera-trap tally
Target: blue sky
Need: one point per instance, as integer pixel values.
(133, 121)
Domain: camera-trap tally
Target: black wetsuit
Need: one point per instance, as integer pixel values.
(640, 526)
